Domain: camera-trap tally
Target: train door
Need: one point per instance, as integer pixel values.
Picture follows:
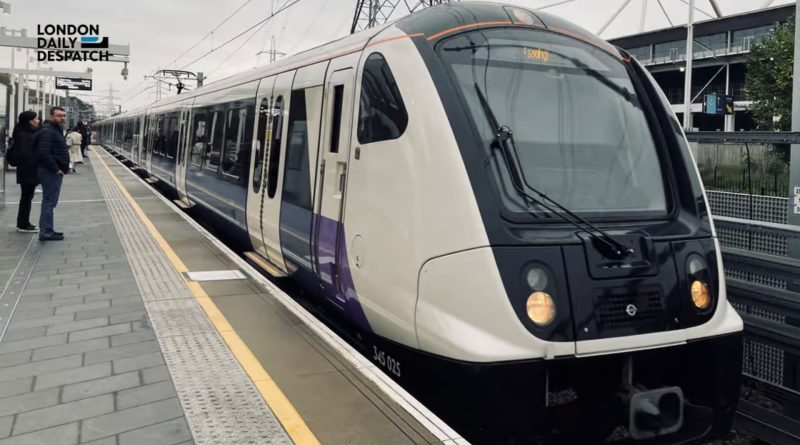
(184, 140)
(274, 159)
(299, 167)
(333, 162)
(262, 138)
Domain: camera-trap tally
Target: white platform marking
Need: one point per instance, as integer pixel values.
(215, 275)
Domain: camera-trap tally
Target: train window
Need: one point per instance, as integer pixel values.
(338, 97)
(580, 128)
(126, 134)
(172, 136)
(160, 139)
(247, 120)
(274, 148)
(213, 150)
(382, 115)
(238, 138)
(230, 151)
(118, 133)
(262, 135)
(136, 128)
(296, 185)
(146, 139)
(199, 134)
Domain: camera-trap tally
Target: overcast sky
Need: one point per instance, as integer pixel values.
(160, 30)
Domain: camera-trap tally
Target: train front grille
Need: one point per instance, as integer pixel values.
(639, 312)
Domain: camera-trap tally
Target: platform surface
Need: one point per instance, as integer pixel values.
(112, 337)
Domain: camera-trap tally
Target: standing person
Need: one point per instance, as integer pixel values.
(25, 160)
(86, 137)
(74, 144)
(53, 159)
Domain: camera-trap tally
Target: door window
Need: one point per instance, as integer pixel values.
(262, 136)
(198, 144)
(274, 148)
(338, 97)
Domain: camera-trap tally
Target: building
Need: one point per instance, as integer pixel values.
(721, 47)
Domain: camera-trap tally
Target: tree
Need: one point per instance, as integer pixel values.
(768, 82)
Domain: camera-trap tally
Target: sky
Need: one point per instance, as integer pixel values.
(159, 31)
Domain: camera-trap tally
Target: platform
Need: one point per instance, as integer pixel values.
(111, 336)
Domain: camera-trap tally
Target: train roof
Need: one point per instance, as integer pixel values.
(434, 23)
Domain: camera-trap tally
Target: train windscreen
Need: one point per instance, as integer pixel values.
(578, 125)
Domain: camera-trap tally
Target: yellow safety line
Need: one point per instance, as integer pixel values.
(294, 425)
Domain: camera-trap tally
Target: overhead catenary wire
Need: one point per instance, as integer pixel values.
(280, 10)
(223, 22)
(210, 33)
(255, 33)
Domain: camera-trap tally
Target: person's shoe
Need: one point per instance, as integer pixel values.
(51, 237)
(59, 233)
(28, 229)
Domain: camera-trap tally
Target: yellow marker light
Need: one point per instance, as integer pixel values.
(700, 295)
(541, 309)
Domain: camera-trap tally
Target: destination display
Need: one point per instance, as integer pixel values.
(73, 83)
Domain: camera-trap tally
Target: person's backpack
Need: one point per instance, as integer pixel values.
(11, 156)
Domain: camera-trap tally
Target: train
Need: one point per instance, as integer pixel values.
(500, 209)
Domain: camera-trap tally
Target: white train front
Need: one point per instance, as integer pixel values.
(499, 208)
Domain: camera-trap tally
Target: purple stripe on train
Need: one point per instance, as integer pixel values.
(337, 282)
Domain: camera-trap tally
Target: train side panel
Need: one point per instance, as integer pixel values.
(408, 198)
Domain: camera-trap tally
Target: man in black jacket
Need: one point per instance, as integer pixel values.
(53, 159)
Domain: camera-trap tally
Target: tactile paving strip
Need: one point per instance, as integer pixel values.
(219, 388)
(219, 400)
(179, 317)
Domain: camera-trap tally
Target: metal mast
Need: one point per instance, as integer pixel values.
(370, 13)
(687, 89)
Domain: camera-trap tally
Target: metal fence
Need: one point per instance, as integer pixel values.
(760, 279)
(764, 286)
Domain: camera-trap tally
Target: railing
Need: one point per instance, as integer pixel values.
(699, 54)
(763, 284)
(763, 288)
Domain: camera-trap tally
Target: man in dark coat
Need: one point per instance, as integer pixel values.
(25, 160)
(53, 159)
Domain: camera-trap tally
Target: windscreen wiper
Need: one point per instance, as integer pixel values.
(505, 141)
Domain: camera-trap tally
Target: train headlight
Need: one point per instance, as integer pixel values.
(540, 307)
(700, 295)
(699, 276)
(536, 278)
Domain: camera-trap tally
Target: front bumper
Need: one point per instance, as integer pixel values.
(550, 401)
